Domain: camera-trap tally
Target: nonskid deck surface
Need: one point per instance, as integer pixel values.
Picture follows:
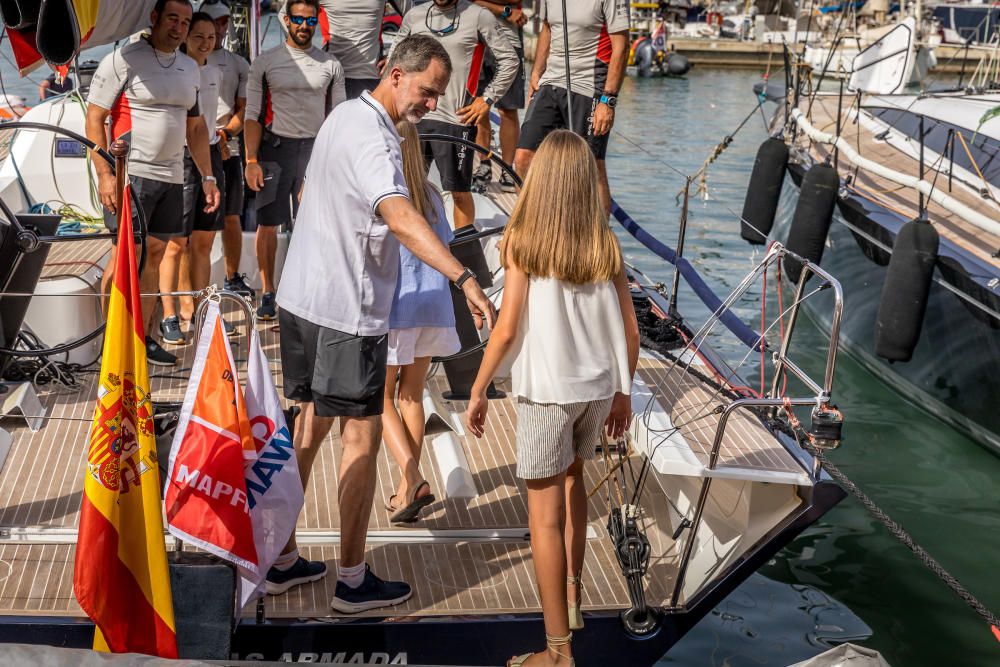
(900, 199)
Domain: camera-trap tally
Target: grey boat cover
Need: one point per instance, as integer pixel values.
(24, 655)
(846, 655)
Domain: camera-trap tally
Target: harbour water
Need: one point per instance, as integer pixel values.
(846, 578)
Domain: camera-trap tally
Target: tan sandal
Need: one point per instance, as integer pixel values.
(575, 614)
(552, 644)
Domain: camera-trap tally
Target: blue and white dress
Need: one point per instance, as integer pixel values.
(422, 321)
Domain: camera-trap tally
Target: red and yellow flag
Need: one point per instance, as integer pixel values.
(121, 579)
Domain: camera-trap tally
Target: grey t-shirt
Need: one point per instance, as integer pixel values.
(291, 90)
(150, 95)
(470, 29)
(351, 31)
(590, 22)
(235, 72)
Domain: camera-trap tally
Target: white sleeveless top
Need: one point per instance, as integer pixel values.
(570, 345)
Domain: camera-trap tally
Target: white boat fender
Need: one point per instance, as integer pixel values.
(764, 191)
(812, 217)
(904, 294)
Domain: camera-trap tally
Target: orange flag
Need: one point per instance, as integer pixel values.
(121, 579)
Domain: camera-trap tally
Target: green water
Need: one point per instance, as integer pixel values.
(939, 485)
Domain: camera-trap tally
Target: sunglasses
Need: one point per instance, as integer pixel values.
(299, 20)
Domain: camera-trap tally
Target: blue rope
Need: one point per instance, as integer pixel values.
(747, 336)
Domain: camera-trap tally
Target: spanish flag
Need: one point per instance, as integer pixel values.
(121, 579)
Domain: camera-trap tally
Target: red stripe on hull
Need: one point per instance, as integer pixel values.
(110, 595)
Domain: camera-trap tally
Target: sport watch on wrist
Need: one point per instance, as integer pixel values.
(468, 273)
(209, 179)
(489, 100)
(611, 99)
(507, 11)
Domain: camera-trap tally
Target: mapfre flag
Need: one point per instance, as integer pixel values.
(274, 488)
(206, 496)
(120, 576)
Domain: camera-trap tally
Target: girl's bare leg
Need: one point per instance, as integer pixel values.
(411, 409)
(547, 523)
(576, 525)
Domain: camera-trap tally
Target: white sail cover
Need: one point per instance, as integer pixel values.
(885, 67)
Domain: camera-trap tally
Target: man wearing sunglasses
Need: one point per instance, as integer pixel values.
(465, 30)
(290, 91)
(351, 32)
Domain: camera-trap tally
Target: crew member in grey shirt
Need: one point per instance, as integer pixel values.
(351, 33)
(465, 30)
(232, 109)
(291, 89)
(335, 296)
(149, 92)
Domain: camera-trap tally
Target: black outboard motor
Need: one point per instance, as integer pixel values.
(904, 294)
(764, 191)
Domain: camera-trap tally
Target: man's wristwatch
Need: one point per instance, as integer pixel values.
(209, 179)
(507, 11)
(468, 273)
(611, 99)
(489, 100)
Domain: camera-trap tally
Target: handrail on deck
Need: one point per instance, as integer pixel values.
(774, 399)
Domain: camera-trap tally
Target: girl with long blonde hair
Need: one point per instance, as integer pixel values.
(567, 318)
(421, 326)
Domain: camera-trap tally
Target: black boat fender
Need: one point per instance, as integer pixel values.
(904, 294)
(812, 217)
(677, 64)
(58, 35)
(644, 57)
(764, 191)
(20, 14)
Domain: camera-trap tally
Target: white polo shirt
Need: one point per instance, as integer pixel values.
(340, 271)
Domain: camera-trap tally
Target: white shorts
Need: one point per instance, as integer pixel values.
(405, 345)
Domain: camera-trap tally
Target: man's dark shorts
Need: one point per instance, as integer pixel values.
(355, 87)
(291, 157)
(232, 204)
(342, 374)
(454, 161)
(162, 205)
(547, 112)
(195, 217)
(514, 97)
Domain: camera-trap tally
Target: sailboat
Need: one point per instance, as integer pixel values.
(715, 476)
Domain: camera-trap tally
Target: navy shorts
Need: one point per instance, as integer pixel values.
(514, 97)
(286, 159)
(547, 112)
(195, 217)
(453, 161)
(232, 203)
(343, 375)
(162, 205)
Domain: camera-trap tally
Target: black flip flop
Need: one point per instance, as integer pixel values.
(411, 512)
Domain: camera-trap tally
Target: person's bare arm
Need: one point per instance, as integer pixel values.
(412, 230)
(517, 17)
(541, 57)
(235, 124)
(197, 141)
(515, 295)
(604, 116)
(97, 132)
(252, 132)
(621, 406)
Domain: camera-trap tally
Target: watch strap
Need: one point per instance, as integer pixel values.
(468, 273)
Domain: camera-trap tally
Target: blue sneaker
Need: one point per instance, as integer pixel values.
(268, 309)
(238, 284)
(371, 594)
(303, 572)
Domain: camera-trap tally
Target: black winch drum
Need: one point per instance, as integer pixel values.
(811, 220)
(904, 294)
(764, 191)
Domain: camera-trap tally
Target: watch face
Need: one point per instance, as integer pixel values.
(612, 101)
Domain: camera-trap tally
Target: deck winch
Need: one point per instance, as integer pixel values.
(826, 427)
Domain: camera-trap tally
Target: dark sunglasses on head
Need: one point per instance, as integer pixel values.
(299, 20)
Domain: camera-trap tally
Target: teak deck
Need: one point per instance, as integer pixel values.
(465, 556)
(901, 199)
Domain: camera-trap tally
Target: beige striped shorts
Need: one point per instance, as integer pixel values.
(551, 435)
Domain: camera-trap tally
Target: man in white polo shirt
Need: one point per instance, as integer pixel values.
(336, 292)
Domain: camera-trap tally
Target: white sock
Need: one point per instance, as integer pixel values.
(351, 576)
(285, 561)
